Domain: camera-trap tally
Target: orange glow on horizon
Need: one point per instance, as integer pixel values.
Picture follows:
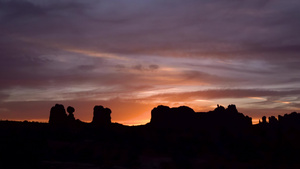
(255, 121)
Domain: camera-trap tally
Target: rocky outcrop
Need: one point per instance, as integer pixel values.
(101, 116)
(287, 120)
(185, 117)
(71, 117)
(226, 117)
(58, 115)
(164, 116)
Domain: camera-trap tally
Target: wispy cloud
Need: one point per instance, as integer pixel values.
(163, 51)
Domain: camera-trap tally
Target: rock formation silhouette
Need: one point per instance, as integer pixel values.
(101, 116)
(175, 138)
(164, 116)
(287, 120)
(58, 115)
(185, 117)
(71, 117)
(292, 119)
(229, 117)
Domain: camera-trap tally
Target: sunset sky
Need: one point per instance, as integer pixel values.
(132, 55)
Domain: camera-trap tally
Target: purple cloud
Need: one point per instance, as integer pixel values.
(124, 49)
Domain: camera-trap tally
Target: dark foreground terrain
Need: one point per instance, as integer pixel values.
(175, 138)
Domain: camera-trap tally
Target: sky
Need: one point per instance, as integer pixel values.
(133, 55)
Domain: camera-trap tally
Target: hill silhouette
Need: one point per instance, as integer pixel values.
(174, 138)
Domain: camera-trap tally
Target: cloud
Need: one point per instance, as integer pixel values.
(64, 50)
(223, 93)
(228, 29)
(153, 67)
